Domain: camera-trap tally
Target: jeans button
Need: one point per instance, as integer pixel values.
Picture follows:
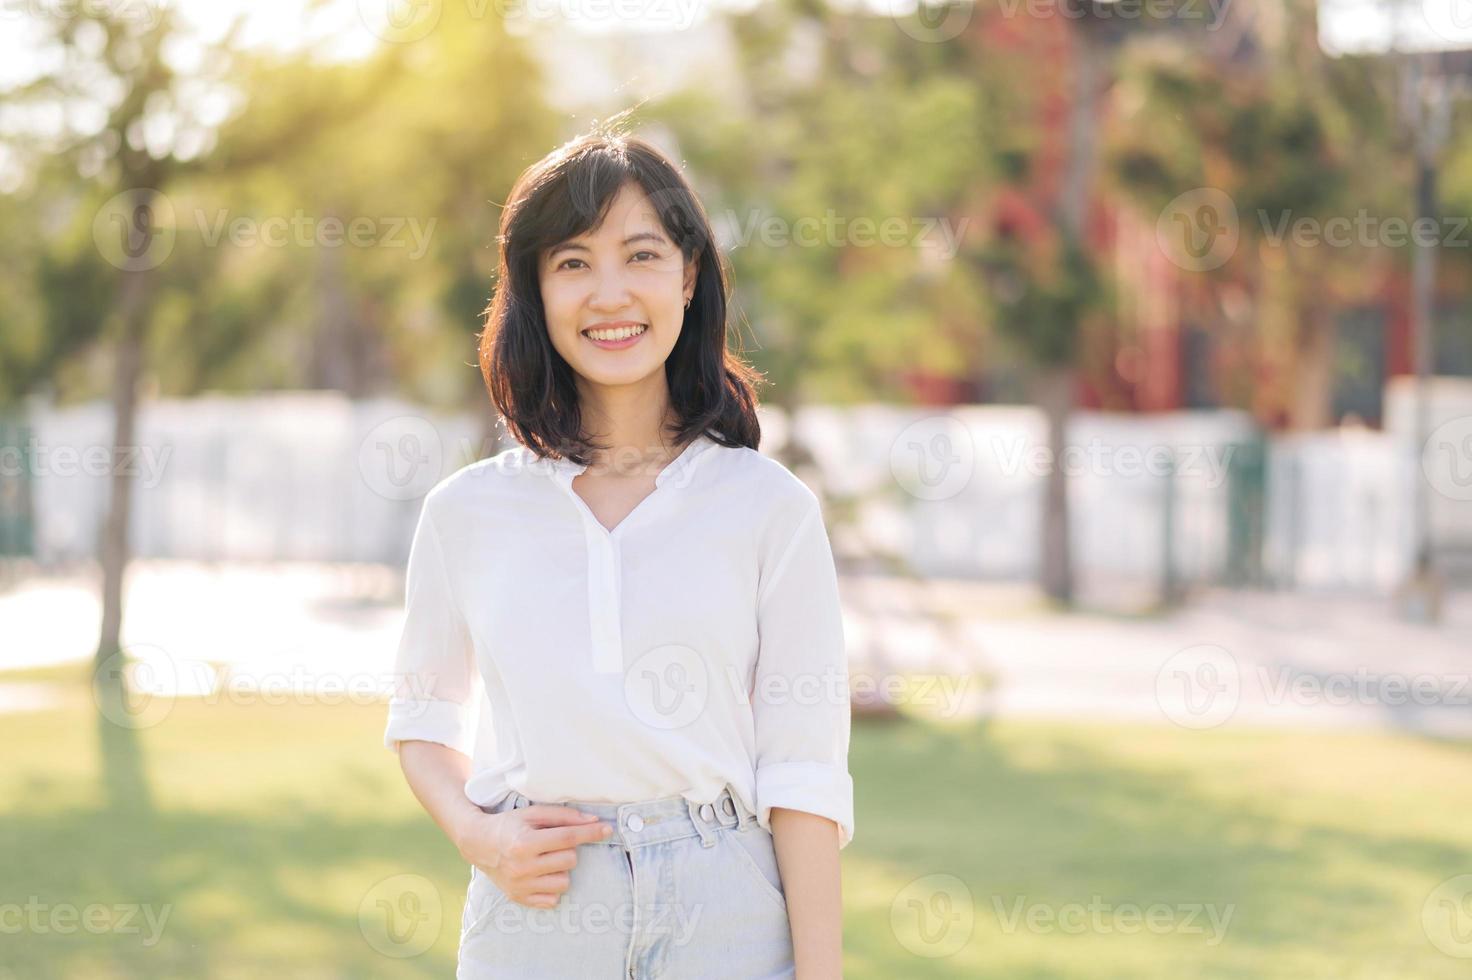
(707, 812)
(634, 823)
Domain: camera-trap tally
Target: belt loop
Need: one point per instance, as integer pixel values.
(738, 813)
(707, 835)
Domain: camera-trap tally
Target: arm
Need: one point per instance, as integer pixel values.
(437, 775)
(432, 715)
(801, 706)
(807, 855)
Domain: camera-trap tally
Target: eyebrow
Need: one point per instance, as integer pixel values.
(652, 236)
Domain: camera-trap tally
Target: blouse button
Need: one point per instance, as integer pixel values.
(707, 812)
(634, 823)
(728, 806)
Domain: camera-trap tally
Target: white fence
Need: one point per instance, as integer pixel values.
(957, 492)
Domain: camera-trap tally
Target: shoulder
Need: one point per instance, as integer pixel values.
(508, 471)
(779, 501)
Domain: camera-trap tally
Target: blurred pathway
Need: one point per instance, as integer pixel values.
(1229, 658)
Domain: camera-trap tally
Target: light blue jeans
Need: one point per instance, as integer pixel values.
(678, 891)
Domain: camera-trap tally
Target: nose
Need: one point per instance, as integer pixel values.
(610, 291)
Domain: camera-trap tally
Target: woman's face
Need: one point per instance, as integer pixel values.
(614, 297)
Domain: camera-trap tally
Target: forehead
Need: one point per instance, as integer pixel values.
(629, 213)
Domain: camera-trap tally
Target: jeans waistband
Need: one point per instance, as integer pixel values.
(653, 821)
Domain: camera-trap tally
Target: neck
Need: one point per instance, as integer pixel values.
(631, 420)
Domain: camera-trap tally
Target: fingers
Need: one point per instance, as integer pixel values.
(543, 891)
(551, 815)
(562, 838)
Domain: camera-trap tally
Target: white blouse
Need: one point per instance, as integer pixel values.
(698, 643)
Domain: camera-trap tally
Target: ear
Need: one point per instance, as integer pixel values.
(692, 269)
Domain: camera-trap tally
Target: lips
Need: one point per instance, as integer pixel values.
(614, 332)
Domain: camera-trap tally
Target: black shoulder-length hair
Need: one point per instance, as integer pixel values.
(563, 195)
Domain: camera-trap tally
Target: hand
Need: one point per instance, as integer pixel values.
(530, 852)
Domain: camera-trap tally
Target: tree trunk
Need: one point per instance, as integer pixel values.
(1313, 388)
(113, 548)
(1053, 393)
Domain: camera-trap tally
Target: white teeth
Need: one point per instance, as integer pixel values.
(621, 333)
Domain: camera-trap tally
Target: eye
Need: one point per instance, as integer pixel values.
(563, 264)
(652, 255)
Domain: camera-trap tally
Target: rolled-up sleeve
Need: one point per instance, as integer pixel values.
(437, 686)
(801, 695)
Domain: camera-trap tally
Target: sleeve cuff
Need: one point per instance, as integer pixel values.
(812, 787)
(449, 723)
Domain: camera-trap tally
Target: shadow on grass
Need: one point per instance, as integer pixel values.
(1076, 825)
(236, 895)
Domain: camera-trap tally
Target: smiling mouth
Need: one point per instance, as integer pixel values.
(616, 333)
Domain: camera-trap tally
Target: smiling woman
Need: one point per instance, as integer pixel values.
(637, 634)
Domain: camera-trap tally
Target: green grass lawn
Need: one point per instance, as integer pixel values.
(993, 850)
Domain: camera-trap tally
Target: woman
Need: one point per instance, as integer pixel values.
(647, 607)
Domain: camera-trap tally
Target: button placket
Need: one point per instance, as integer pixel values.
(605, 569)
(603, 601)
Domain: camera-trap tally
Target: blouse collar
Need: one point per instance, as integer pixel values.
(565, 469)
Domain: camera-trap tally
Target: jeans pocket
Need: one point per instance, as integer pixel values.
(754, 850)
(482, 899)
